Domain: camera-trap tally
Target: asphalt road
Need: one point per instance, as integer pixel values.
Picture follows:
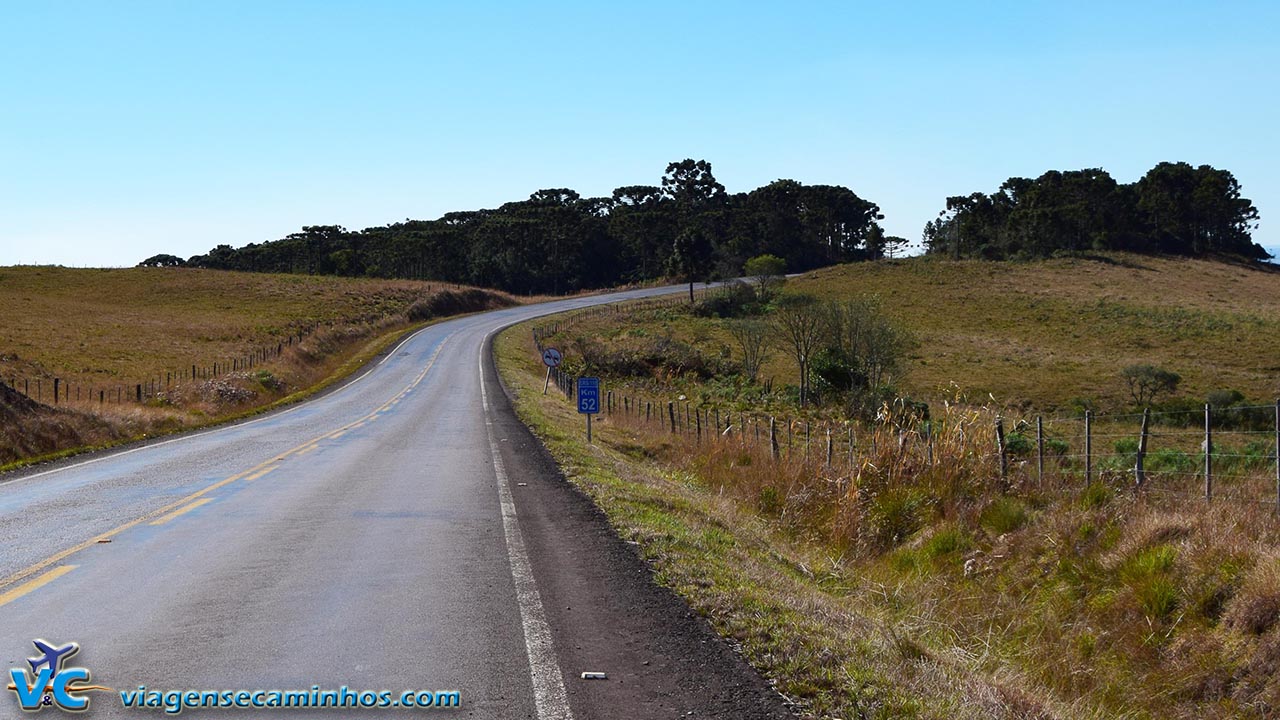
(403, 532)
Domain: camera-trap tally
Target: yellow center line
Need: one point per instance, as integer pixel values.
(11, 595)
(260, 473)
(181, 511)
(307, 449)
(161, 511)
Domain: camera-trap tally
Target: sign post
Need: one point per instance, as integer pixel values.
(588, 399)
(551, 357)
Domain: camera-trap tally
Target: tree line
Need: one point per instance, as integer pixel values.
(557, 241)
(1174, 209)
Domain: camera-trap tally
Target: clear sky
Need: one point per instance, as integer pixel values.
(129, 129)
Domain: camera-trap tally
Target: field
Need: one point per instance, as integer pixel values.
(908, 576)
(1045, 333)
(122, 344)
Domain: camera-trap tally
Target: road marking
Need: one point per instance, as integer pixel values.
(181, 511)
(221, 428)
(549, 697)
(260, 473)
(11, 595)
(165, 509)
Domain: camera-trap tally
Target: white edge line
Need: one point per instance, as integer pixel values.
(220, 428)
(550, 700)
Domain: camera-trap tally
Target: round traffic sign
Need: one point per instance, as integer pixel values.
(551, 357)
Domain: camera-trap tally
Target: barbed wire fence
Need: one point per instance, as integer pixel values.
(51, 389)
(1215, 454)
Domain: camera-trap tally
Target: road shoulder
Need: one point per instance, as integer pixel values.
(606, 612)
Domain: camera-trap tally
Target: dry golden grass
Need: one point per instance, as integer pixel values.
(101, 333)
(1049, 331)
(892, 586)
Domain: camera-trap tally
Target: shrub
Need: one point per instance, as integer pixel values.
(1097, 495)
(1149, 574)
(1003, 515)
(895, 514)
(734, 300)
(1019, 445)
(1055, 446)
(1170, 460)
(945, 542)
(453, 302)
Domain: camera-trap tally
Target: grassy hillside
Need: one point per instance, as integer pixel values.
(908, 576)
(101, 333)
(1050, 331)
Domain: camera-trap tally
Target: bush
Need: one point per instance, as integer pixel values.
(1056, 446)
(453, 302)
(1003, 515)
(1097, 495)
(1149, 575)
(1019, 445)
(734, 300)
(1170, 460)
(946, 542)
(895, 514)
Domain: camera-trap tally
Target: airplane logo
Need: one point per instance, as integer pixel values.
(53, 657)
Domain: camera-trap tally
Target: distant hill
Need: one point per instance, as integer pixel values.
(1051, 332)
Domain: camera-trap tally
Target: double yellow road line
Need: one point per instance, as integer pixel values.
(180, 507)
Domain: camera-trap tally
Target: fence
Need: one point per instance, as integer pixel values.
(56, 391)
(1224, 453)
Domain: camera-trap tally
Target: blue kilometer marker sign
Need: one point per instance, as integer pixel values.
(588, 400)
(588, 396)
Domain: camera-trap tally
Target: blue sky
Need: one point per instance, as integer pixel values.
(129, 129)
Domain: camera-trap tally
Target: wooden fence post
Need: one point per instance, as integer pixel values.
(1040, 450)
(773, 437)
(1088, 447)
(1004, 455)
(671, 413)
(1139, 472)
(851, 442)
(1278, 455)
(829, 448)
(1208, 455)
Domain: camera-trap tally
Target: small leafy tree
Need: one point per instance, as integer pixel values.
(752, 337)
(1146, 382)
(797, 328)
(863, 350)
(767, 271)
